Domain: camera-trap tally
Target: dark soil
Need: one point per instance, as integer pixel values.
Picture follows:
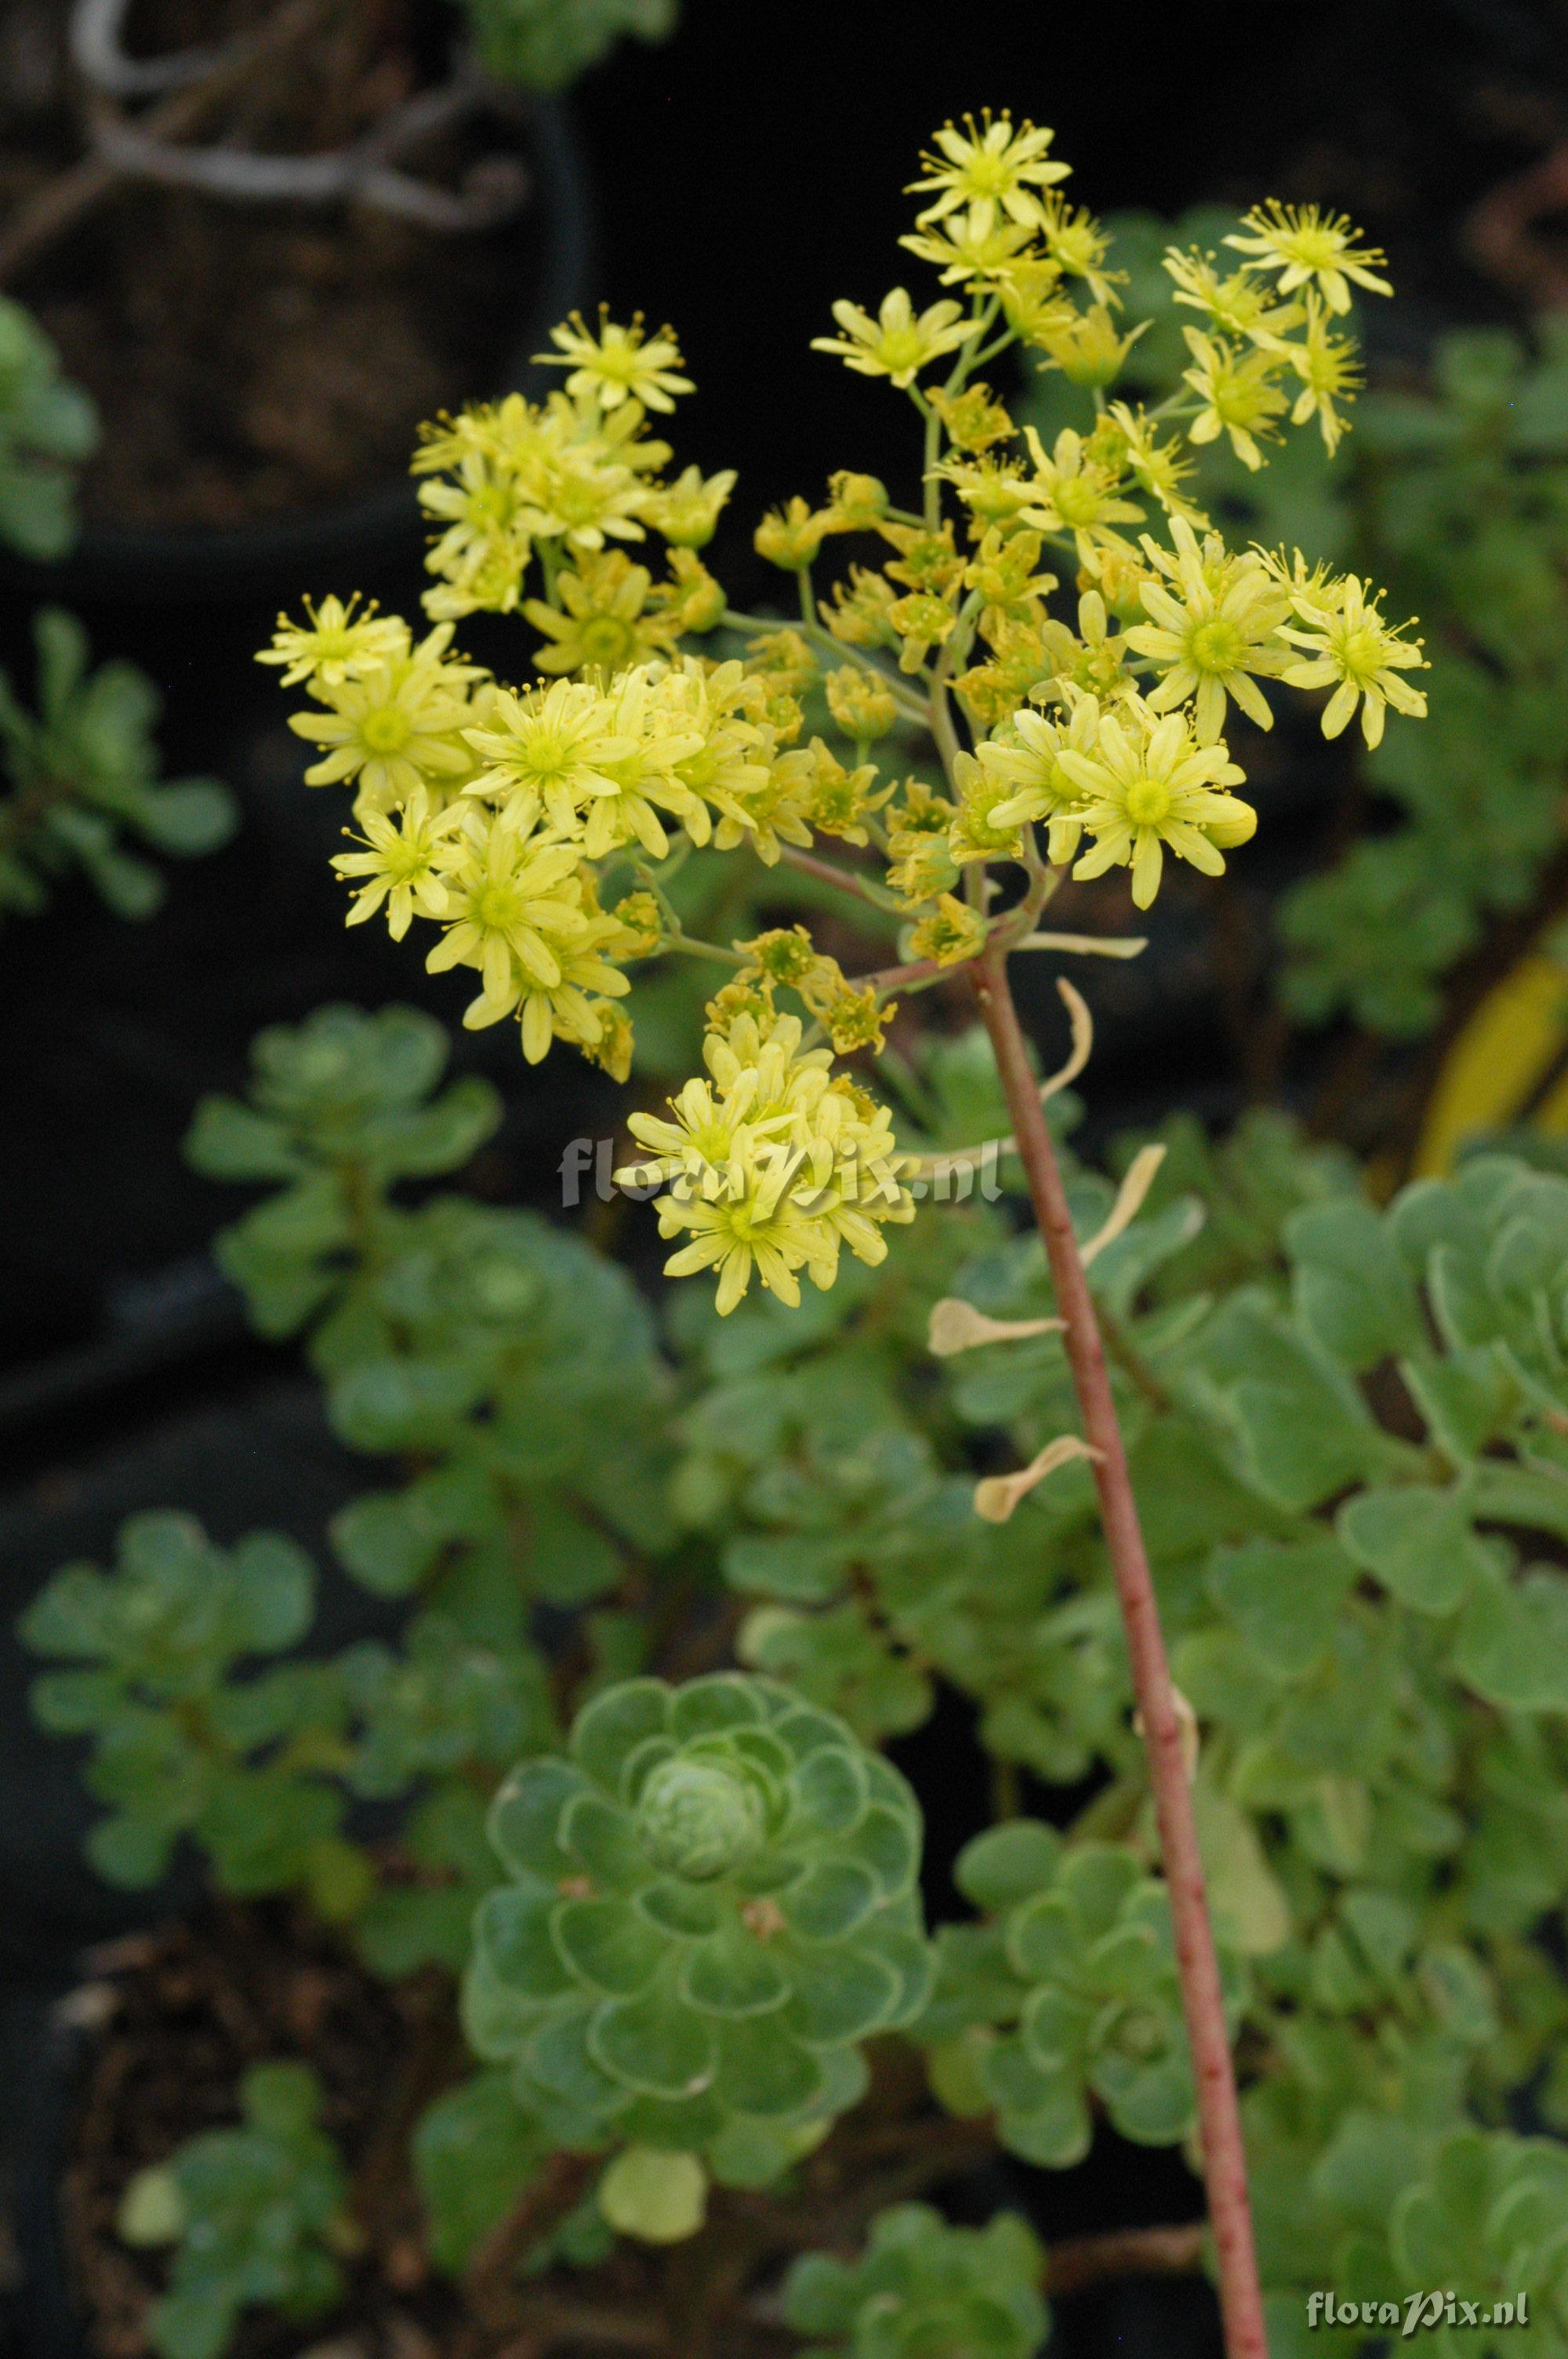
(176, 2017)
(189, 2012)
(255, 361)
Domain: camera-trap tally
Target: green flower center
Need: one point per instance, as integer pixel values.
(901, 348)
(1148, 802)
(699, 1820)
(1078, 498)
(1215, 645)
(1319, 249)
(386, 732)
(605, 639)
(1361, 653)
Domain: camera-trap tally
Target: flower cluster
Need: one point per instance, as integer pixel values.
(773, 1161)
(1061, 629)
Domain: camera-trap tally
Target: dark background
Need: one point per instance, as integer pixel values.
(742, 177)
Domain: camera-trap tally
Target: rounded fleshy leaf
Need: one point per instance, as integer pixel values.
(712, 1706)
(602, 1843)
(734, 1974)
(525, 1817)
(655, 2044)
(842, 1994)
(609, 1730)
(831, 1790)
(830, 1900)
(765, 2069)
(513, 1934)
(606, 1946)
(688, 1911)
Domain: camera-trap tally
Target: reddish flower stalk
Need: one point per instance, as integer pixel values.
(1224, 2155)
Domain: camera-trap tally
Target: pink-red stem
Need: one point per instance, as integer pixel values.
(1224, 2155)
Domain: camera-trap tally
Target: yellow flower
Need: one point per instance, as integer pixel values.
(1002, 570)
(604, 626)
(335, 643)
(1328, 369)
(953, 932)
(771, 1165)
(1237, 394)
(926, 558)
(402, 862)
(922, 621)
(687, 512)
(963, 253)
(729, 754)
(483, 551)
(790, 537)
(619, 363)
(1077, 245)
(641, 926)
(1032, 297)
(985, 170)
(1074, 491)
(1158, 467)
(784, 659)
(1020, 660)
(995, 490)
(976, 833)
(574, 1007)
(857, 1019)
(1085, 345)
(1350, 645)
(1119, 574)
(394, 727)
(1217, 624)
(974, 418)
(613, 1049)
(856, 503)
(1025, 758)
(786, 954)
(550, 749)
(513, 904)
(917, 844)
(581, 496)
(835, 799)
(1241, 305)
(860, 702)
(691, 599)
(653, 737)
(1303, 243)
(1147, 785)
(895, 345)
(859, 614)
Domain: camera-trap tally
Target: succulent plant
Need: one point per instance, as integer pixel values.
(924, 2290)
(1068, 1993)
(713, 1901)
(256, 2214)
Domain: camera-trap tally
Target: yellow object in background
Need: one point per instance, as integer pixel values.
(1499, 1062)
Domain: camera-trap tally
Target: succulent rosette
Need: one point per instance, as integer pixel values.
(712, 1902)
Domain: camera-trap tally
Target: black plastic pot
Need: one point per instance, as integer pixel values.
(358, 538)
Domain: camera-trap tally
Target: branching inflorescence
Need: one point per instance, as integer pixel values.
(1031, 673)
